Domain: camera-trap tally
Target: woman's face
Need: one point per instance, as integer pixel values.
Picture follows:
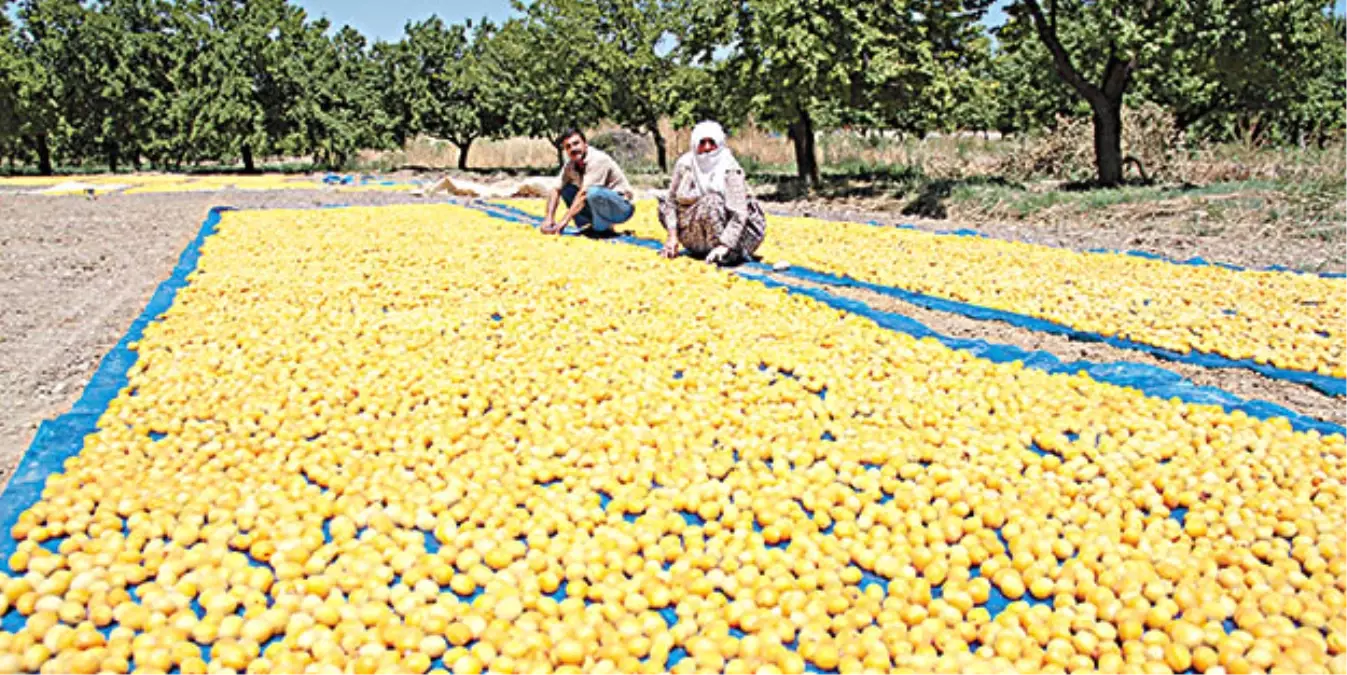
(705, 145)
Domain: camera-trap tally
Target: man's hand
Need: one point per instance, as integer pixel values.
(670, 248)
(549, 226)
(718, 254)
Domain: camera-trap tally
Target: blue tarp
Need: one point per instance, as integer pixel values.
(1194, 261)
(1328, 385)
(1150, 380)
(62, 438)
(366, 179)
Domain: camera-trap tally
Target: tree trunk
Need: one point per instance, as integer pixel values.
(113, 158)
(1105, 99)
(1108, 141)
(248, 158)
(806, 161)
(561, 155)
(463, 154)
(661, 152)
(43, 155)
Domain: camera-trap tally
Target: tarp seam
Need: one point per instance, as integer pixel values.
(1150, 380)
(1323, 383)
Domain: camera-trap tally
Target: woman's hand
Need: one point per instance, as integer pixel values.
(670, 248)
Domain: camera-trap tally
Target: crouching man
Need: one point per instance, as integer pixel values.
(595, 190)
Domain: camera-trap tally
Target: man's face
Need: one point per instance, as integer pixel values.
(575, 148)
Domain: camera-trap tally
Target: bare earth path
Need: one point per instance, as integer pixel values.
(75, 273)
(1245, 244)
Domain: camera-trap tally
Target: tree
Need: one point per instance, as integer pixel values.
(1196, 58)
(435, 82)
(1280, 64)
(544, 86)
(976, 104)
(1029, 96)
(806, 67)
(319, 95)
(928, 69)
(227, 97)
(122, 77)
(1122, 30)
(354, 118)
(38, 90)
(472, 109)
(11, 73)
(415, 73)
(632, 43)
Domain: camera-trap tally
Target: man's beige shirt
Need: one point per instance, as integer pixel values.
(600, 170)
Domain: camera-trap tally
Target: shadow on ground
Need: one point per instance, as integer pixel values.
(908, 186)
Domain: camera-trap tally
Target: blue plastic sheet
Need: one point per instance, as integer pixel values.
(1194, 261)
(1328, 385)
(346, 180)
(62, 438)
(1150, 380)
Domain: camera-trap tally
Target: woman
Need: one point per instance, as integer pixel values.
(708, 210)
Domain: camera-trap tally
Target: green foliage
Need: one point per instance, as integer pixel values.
(542, 83)
(630, 45)
(123, 81)
(1226, 71)
(1031, 94)
(179, 82)
(418, 77)
(910, 65)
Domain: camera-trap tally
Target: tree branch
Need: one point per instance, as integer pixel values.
(1187, 118)
(1060, 59)
(1116, 76)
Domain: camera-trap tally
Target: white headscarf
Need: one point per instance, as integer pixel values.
(709, 169)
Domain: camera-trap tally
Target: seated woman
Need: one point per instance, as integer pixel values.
(708, 209)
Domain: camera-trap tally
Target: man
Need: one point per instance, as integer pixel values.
(594, 188)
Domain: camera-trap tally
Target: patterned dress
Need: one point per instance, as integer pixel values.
(702, 222)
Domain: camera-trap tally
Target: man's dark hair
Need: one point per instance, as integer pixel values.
(573, 131)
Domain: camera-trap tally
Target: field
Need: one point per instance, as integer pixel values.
(1205, 201)
(418, 435)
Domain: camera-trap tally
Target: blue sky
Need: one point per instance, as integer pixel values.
(384, 19)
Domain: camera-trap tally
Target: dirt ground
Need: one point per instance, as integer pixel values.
(75, 273)
(1246, 384)
(1151, 229)
(1170, 227)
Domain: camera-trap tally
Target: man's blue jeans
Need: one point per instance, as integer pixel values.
(603, 209)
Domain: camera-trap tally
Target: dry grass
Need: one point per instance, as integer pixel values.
(510, 153)
(760, 150)
(843, 150)
(904, 167)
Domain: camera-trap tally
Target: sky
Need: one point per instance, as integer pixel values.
(384, 19)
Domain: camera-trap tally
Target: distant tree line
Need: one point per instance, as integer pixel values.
(160, 84)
